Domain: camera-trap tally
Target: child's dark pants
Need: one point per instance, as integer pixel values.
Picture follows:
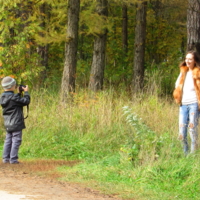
(11, 147)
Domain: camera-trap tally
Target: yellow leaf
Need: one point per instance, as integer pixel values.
(28, 46)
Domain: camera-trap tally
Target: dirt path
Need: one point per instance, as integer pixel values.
(21, 180)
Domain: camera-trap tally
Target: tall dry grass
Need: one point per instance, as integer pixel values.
(120, 156)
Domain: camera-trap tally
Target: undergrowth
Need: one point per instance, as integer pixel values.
(125, 146)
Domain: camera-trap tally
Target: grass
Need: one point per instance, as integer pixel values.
(122, 146)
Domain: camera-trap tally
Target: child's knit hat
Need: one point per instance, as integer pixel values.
(8, 82)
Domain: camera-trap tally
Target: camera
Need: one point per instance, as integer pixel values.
(21, 89)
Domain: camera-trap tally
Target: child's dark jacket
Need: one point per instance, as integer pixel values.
(12, 105)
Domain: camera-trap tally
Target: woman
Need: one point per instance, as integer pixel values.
(187, 95)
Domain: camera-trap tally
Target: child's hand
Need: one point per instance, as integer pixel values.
(25, 88)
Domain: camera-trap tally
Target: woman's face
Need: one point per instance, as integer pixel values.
(189, 60)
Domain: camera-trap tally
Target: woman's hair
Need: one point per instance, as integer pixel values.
(196, 58)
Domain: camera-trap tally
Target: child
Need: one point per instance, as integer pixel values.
(12, 105)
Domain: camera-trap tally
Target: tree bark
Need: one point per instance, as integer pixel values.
(98, 61)
(69, 72)
(139, 51)
(125, 29)
(43, 50)
(124, 40)
(193, 25)
(157, 9)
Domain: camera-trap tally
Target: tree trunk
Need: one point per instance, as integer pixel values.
(43, 50)
(125, 29)
(139, 51)
(157, 9)
(193, 25)
(69, 72)
(98, 61)
(125, 41)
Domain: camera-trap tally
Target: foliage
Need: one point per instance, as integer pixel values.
(160, 45)
(17, 54)
(26, 26)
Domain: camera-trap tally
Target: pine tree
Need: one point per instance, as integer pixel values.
(69, 72)
(98, 61)
(193, 25)
(139, 51)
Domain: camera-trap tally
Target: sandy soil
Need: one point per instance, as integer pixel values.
(21, 181)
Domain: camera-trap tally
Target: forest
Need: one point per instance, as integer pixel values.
(106, 43)
(101, 75)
